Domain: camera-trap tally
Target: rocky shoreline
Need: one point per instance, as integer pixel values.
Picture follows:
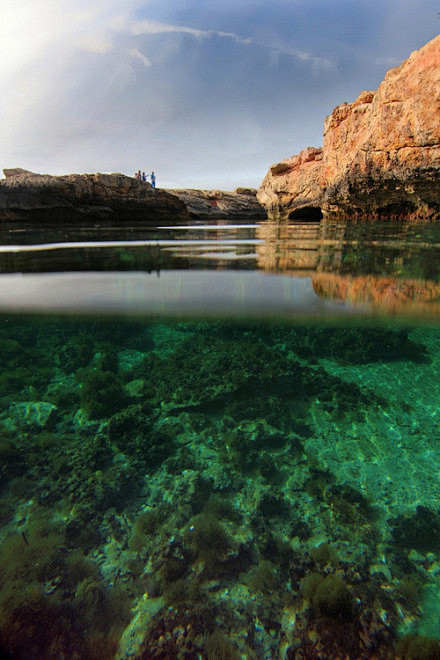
(26, 195)
(104, 197)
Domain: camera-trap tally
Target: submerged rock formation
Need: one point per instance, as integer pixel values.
(76, 197)
(380, 154)
(218, 204)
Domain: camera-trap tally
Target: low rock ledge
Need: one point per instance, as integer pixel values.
(220, 204)
(74, 197)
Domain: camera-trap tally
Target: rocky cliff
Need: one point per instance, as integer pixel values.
(75, 197)
(380, 154)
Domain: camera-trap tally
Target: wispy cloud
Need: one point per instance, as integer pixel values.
(135, 53)
(147, 27)
(156, 27)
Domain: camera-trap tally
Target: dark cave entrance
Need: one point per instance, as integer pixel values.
(306, 214)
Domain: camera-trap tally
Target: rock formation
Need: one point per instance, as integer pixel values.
(380, 154)
(74, 197)
(218, 204)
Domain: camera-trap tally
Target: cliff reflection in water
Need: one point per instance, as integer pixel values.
(390, 265)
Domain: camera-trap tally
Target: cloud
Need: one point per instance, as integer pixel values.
(135, 53)
(200, 90)
(156, 27)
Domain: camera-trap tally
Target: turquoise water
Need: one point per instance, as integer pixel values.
(220, 442)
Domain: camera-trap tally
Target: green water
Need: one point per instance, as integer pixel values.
(217, 489)
(220, 441)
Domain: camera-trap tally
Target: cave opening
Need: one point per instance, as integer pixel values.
(306, 214)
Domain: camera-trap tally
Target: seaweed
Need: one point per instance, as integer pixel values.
(145, 526)
(12, 459)
(101, 394)
(329, 595)
(77, 352)
(264, 578)
(357, 345)
(53, 601)
(218, 647)
(420, 531)
(207, 539)
(222, 508)
(418, 647)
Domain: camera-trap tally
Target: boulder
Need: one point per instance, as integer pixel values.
(380, 154)
(25, 195)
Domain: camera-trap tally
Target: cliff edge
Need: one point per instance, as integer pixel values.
(380, 154)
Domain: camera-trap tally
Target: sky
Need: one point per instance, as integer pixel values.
(207, 93)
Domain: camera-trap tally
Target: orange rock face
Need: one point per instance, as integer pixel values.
(293, 184)
(380, 155)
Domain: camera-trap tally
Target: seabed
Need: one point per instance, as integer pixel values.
(218, 490)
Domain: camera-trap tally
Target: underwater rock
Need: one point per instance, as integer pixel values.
(31, 413)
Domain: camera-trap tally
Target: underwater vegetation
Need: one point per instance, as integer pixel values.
(357, 345)
(52, 599)
(101, 394)
(417, 647)
(217, 490)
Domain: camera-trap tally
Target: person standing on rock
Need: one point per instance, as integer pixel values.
(153, 179)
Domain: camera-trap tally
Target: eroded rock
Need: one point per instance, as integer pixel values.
(380, 154)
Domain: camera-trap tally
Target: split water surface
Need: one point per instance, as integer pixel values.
(220, 441)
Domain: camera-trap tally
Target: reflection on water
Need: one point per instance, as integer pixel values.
(217, 442)
(171, 293)
(388, 266)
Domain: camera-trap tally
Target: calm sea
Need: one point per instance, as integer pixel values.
(220, 441)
